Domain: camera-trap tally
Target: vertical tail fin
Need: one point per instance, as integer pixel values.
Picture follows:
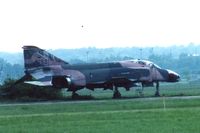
(35, 57)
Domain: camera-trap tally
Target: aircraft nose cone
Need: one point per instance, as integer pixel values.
(173, 76)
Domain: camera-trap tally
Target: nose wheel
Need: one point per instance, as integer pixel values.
(157, 93)
(141, 91)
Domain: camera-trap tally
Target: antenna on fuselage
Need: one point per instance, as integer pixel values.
(1, 69)
(141, 53)
(87, 53)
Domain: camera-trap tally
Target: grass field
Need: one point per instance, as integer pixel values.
(131, 115)
(139, 115)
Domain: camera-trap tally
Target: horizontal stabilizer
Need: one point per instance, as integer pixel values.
(39, 83)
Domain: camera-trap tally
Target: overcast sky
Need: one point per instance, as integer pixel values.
(52, 24)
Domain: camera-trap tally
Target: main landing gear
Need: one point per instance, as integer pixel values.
(116, 93)
(141, 91)
(75, 95)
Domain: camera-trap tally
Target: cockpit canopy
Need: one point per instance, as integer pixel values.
(145, 63)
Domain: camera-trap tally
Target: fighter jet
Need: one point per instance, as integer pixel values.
(49, 70)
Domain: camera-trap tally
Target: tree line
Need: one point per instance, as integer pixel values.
(184, 62)
(183, 59)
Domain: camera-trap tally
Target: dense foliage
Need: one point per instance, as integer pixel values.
(27, 92)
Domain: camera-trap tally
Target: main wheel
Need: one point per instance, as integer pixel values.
(75, 95)
(116, 94)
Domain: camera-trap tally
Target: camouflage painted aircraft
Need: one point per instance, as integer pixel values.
(48, 70)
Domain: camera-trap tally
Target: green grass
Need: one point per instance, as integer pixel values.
(128, 115)
(132, 115)
(139, 121)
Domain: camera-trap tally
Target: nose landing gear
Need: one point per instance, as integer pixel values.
(157, 93)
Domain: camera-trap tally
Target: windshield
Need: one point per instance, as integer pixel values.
(148, 63)
(156, 66)
(145, 62)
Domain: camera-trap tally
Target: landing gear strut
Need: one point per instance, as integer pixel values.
(141, 91)
(75, 95)
(116, 93)
(157, 94)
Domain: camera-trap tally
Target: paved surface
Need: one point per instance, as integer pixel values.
(96, 112)
(96, 101)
